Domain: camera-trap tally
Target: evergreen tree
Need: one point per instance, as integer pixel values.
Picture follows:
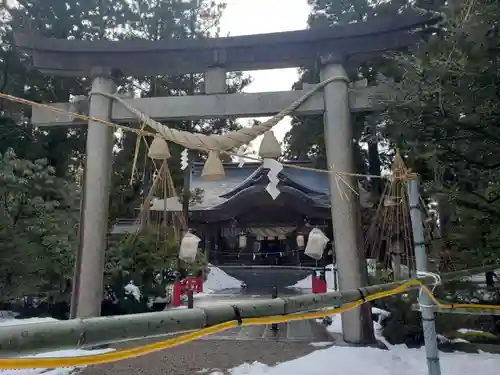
(63, 148)
(305, 140)
(68, 19)
(38, 228)
(446, 106)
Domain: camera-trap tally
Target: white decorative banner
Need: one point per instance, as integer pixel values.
(184, 159)
(275, 168)
(242, 150)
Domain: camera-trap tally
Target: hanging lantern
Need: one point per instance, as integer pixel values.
(242, 240)
(189, 247)
(159, 149)
(213, 169)
(300, 240)
(316, 244)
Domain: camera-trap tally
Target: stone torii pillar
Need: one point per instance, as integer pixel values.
(339, 153)
(89, 268)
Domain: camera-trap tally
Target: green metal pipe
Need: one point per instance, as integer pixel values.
(77, 333)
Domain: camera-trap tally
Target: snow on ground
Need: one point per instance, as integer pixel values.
(133, 290)
(336, 326)
(303, 284)
(218, 280)
(479, 278)
(445, 340)
(306, 283)
(468, 330)
(361, 361)
(59, 353)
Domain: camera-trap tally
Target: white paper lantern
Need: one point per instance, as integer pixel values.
(316, 244)
(300, 241)
(189, 247)
(242, 240)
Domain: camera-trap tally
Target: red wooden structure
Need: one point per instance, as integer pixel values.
(318, 282)
(180, 288)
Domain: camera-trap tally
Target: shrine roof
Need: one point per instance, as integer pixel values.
(310, 183)
(214, 190)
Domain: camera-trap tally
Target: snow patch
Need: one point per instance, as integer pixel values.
(133, 290)
(336, 324)
(381, 312)
(218, 280)
(479, 278)
(203, 371)
(56, 354)
(361, 361)
(445, 340)
(468, 330)
(306, 283)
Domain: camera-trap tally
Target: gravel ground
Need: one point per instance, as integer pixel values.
(228, 349)
(205, 356)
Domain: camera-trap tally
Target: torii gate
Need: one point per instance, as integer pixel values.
(333, 48)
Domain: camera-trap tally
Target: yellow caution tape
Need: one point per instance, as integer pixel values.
(119, 355)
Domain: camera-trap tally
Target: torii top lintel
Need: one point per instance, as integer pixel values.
(249, 52)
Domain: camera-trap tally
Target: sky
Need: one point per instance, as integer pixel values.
(243, 17)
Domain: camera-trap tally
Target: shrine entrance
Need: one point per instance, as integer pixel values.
(241, 224)
(334, 50)
(258, 245)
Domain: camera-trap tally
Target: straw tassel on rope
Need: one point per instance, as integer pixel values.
(269, 147)
(213, 169)
(159, 149)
